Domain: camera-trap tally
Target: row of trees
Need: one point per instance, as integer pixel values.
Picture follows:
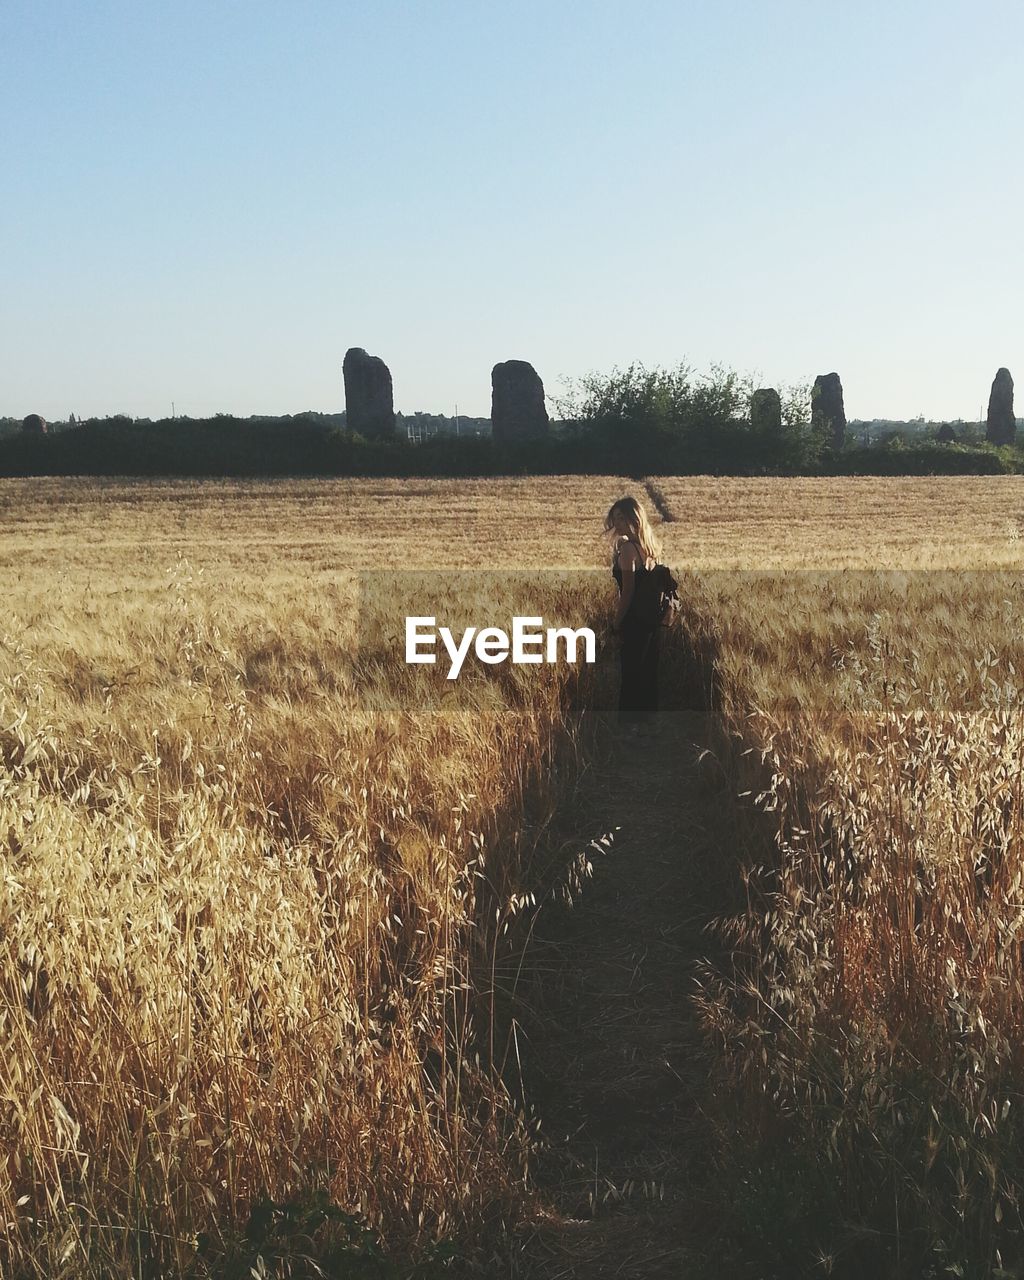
(635, 421)
(679, 421)
(701, 421)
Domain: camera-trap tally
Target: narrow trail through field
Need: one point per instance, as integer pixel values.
(659, 502)
(614, 1064)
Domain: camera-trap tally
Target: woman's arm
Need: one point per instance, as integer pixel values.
(627, 565)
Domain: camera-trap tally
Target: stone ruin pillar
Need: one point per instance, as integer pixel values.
(369, 395)
(766, 412)
(1001, 425)
(827, 409)
(517, 403)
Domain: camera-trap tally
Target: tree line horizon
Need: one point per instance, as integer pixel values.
(636, 420)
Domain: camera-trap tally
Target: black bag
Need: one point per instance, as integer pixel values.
(655, 597)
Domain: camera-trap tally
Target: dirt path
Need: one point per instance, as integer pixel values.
(659, 501)
(613, 1063)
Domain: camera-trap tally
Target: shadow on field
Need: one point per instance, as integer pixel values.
(611, 1058)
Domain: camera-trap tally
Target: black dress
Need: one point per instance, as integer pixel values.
(638, 657)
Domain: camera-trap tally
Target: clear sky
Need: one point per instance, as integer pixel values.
(208, 201)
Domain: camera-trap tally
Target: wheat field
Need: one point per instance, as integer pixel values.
(243, 897)
(249, 894)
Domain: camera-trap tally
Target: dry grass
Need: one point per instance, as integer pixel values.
(936, 522)
(874, 1007)
(244, 895)
(243, 900)
(86, 527)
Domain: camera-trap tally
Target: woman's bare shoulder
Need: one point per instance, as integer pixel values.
(627, 553)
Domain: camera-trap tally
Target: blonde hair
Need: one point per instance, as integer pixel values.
(639, 526)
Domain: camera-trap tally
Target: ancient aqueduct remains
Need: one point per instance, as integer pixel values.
(518, 411)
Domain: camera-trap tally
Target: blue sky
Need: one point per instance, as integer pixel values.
(207, 203)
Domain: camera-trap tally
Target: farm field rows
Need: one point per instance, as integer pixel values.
(243, 897)
(857, 522)
(242, 902)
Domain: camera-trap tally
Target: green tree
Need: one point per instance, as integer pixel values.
(679, 420)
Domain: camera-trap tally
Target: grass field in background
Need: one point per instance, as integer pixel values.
(243, 905)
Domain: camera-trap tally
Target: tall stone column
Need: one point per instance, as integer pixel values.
(1001, 425)
(827, 409)
(766, 412)
(517, 403)
(369, 396)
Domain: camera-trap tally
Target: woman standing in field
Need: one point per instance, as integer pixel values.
(635, 554)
